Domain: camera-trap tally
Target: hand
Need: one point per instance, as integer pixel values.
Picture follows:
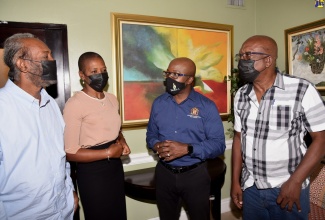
(76, 201)
(126, 150)
(115, 150)
(289, 195)
(237, 195)
(170, 150)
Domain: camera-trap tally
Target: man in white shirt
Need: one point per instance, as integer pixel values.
(35, 178)
(273, 112)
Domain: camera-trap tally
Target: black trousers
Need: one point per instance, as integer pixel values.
(101, 189)
(191, 187)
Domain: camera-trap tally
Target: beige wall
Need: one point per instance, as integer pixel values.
(89, 28)
(273, 17)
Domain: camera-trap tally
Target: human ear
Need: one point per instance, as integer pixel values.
(190, 80)
(21, 65)
(81, 75)
(269, 61)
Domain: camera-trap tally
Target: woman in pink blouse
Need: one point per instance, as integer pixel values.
(94, 140)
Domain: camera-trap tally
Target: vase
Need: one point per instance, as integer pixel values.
(317, 67)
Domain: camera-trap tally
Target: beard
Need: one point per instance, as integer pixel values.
(35, 76)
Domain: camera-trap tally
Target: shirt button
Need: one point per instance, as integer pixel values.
(260, 113)
(254, 148)
(175, 131)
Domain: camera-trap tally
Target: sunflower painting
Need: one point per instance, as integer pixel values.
(146, 50)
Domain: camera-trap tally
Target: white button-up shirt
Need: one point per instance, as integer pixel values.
(272, 131)
(35, 178)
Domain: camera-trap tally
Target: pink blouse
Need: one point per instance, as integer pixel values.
(90, 121)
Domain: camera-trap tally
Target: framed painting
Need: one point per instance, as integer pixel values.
(305, 52)
(143, 48)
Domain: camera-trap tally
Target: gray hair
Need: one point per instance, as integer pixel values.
(13, 49)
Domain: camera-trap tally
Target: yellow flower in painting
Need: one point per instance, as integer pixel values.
(203, 47)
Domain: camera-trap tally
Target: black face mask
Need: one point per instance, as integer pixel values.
(247, 71)
(173, 87)
(98, 81)
(48, 69)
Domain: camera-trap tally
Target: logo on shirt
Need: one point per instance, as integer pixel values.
(319, 4)
(194, 113)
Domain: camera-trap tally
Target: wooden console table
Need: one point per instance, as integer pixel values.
(140, 185)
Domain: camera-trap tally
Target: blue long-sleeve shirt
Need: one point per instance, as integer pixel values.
(195, 121)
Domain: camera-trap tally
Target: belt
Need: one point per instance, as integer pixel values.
(181, 169)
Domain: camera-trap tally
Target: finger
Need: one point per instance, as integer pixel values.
(298, 206)
(289, 207)
(168, 156)
(240, 199)
(236, 202)
(279, 200)
(283, 203)
(238, 205)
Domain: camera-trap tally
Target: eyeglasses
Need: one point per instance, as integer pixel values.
(248, 55)
(173, 75)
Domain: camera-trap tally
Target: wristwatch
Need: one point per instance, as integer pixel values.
(189, 149)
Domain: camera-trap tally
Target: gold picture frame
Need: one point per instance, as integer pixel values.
(143, 46)
(305, 52)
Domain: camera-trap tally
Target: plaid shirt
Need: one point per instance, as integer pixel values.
(272, 131)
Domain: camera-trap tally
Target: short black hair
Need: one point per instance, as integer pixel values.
(84, 57)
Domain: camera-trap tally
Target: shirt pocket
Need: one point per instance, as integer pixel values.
(280, 117)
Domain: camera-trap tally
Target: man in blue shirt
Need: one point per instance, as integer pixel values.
(184, 130)
(35, 178)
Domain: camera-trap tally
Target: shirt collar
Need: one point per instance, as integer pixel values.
(278, 82)
(45, 98)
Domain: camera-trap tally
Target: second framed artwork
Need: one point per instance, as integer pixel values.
(305, 52)
(145, 45)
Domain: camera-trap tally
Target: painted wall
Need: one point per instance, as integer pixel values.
(273, 17)
(89, 29)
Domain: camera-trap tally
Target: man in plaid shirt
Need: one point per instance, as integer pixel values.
(273, 112)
